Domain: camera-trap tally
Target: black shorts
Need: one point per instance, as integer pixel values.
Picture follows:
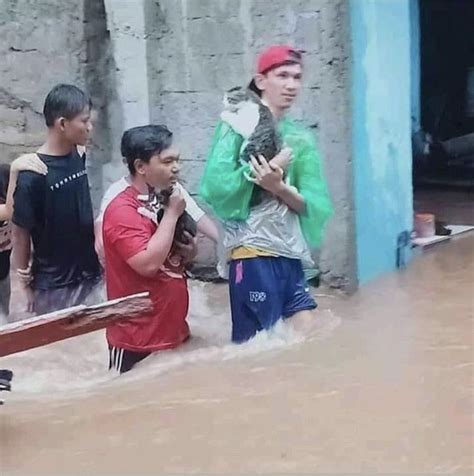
(123, 360)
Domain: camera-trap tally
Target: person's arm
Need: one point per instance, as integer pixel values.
(270, 178)
(99, 241)
(29, 162)
(27, 214)
(291, 197)
(21, 295)
(124, 230)
(207, 227)
(204, 224)
(148, 262)
(224, 185)
(110, 194)
(98, 224)
(309, 179)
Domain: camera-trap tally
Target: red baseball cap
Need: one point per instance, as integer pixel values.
(275, 56)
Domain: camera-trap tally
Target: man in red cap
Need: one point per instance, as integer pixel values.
(267, 239)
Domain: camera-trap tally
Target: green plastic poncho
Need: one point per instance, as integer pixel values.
(226, 190)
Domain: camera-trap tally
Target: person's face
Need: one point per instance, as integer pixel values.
(280, 86)
(162, 171)
(77, 130)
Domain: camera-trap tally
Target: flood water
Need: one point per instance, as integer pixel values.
(384, 384)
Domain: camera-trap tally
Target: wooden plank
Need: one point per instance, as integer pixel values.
(42, 330)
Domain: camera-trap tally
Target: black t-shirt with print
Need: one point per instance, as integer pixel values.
(57, 211)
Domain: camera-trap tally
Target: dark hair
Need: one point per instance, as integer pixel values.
(143, 142)
(65, 100)
(296, 57)
(4, 180)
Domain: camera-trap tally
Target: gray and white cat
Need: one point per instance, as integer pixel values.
(248, 116)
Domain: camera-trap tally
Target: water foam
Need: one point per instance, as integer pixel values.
(80, 364)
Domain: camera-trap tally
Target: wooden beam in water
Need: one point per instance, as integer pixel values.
(74, 321)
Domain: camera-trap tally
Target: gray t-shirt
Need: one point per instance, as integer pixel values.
(271, 226)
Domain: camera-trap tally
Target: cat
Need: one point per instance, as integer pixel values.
(248, 116)
(184, 223)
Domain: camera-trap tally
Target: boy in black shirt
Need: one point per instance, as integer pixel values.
(54, 212)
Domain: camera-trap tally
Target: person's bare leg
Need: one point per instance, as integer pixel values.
(303, 322)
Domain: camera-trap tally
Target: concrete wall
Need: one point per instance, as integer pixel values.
(382, 130)
(131, 105)
(100, 75)
(199, 49)
(41, 44)
(171, 61)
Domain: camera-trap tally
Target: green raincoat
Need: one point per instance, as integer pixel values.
(227, 191)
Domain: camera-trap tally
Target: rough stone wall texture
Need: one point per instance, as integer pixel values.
(130, 105)
(199, 49)
(101, 83)
(43, 43)
(171, 61)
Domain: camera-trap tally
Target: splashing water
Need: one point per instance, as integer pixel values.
(81, 364)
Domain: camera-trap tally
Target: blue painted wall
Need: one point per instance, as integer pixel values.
(415, 75)
(382, 161)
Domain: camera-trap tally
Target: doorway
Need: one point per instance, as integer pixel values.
(443, 141)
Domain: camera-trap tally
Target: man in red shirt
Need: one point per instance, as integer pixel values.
(140, 254)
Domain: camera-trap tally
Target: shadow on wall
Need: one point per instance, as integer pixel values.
(101, 83)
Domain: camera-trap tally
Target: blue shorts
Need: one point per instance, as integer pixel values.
(263, 290)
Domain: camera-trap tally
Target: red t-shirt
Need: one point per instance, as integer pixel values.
(125, 234)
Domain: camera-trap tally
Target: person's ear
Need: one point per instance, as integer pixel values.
(61, 123)
(139, 166)
(260, 81)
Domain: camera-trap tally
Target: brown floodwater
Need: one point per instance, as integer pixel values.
(383, 385)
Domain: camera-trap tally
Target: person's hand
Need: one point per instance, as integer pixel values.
(21, 304)
(99, 242)
(282, 159)
(99, 249)
(176, 204)
(30, 299)
(30, 162)
(268, 177)
(187, 250)
(25, 276)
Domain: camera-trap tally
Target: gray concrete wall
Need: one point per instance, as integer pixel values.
(199, 49)
(131, 104)
(170, 61)
(43, 43)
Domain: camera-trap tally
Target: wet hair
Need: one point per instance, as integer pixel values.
(296, 57)
(4, 180)
(65, 100)
(143, 142)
